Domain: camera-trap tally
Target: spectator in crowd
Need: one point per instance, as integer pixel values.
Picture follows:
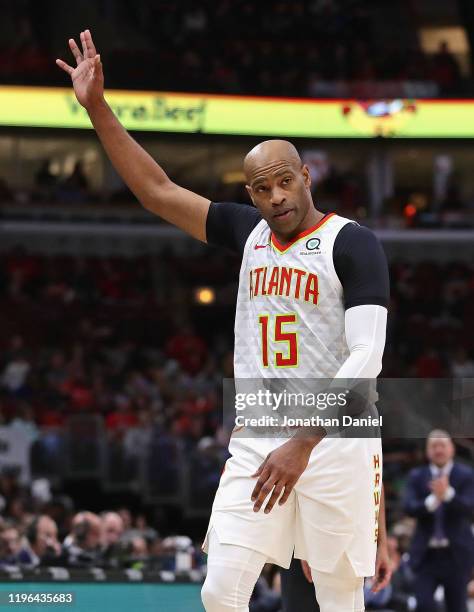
(17, 508)
(25, 422)
(61, 509)
(441, 497)
(112, 529)
(139, 528)
(15, 375)
(112, 532)
(138, 552)
(81, 547)
(10, 545)
(41, 545)
(137, 438)
(143, 528)
(127, 520)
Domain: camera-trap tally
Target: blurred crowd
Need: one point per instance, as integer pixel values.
(430, 331)
(56, 536)
(319, 48)
(34, 533)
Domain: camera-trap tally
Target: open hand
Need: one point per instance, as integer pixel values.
(87, 78)
(279, 473)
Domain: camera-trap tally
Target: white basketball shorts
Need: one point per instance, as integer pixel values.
(332, 510)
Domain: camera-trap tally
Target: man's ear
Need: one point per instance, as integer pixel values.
(250, 192)
(307, 176)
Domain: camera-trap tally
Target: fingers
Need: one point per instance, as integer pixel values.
(385, 579)
(66, 67)
(85, 49)
(262, 488)
(91, 50)
(88, 52)
(381, 584)
(382, 578)
(97, 65)
(84, 46)
(75, 51)
(288, 489)
(267, 484)
(277, 490)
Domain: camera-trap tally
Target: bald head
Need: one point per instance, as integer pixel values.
(267, 153)
(279, 185)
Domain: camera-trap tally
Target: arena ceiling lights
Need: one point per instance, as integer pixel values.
(237, 115)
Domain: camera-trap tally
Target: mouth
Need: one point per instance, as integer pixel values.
(283, 215)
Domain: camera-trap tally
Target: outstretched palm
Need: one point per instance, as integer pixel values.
(87, 78)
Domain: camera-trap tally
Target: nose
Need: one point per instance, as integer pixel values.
(277, 197)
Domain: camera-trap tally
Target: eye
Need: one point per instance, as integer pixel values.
(261, 189)
(287, 180)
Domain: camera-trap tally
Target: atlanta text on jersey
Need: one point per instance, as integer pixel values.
(288, 282)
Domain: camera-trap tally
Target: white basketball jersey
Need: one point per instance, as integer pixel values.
(289, 324)
(290, 310)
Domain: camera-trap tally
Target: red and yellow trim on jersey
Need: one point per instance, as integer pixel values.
(282, 248)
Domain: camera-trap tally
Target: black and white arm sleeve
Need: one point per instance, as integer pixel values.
(229, 225)
(361, 266)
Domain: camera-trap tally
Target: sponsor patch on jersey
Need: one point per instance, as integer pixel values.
(313, 244)
(312, 247)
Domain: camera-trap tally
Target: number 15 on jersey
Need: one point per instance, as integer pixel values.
(277, 326)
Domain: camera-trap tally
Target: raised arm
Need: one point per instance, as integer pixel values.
(144, 177)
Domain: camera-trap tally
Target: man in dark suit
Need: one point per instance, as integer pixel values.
(441, 496)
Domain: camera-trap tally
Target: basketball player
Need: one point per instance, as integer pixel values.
(312, 302)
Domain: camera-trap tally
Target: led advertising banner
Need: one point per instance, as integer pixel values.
(239, 115)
